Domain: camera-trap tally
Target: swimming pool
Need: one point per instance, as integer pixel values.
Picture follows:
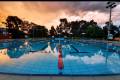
(41, 57)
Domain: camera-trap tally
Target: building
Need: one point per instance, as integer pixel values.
(4, 34)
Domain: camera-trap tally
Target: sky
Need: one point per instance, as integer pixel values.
(48, 13)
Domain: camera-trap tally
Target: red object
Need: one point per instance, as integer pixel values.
(60, 55)
(60, 61)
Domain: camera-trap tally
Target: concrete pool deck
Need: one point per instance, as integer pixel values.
(17, 77)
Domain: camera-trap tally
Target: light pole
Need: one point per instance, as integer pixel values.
(110, 5)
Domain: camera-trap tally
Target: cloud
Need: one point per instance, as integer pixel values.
(46, 13)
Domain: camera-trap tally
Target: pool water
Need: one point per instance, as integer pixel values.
(41, 57)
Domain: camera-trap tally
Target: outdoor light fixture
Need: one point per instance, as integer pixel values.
(110, 5)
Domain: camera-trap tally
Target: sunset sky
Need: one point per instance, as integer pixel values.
(49, 13)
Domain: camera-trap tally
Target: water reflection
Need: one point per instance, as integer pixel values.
(3, 56)
(37, 55)
(96, 57)
(16, 49)
(114, 63)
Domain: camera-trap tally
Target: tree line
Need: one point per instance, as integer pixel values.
(85, 29)
(20, 29)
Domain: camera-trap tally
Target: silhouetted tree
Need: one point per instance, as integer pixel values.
(59, 29)
(78, 28)
(13, 23)
(114, 30)
(89, 29)
(52, 31)
(94, 32)
(64, 27)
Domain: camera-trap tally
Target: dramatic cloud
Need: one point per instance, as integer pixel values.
(48, 13)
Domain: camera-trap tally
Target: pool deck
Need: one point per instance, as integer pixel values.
(17, 77)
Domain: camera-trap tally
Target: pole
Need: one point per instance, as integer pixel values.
(109, 21)
(110, 5)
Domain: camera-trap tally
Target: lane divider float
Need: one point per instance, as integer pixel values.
(60, 60)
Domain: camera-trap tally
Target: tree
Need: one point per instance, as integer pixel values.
(75, 28)
(86, 29)
(114, 30)
(59, 29)
(13, 23)
(64, 27)
(52, 31)
(94, 32)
